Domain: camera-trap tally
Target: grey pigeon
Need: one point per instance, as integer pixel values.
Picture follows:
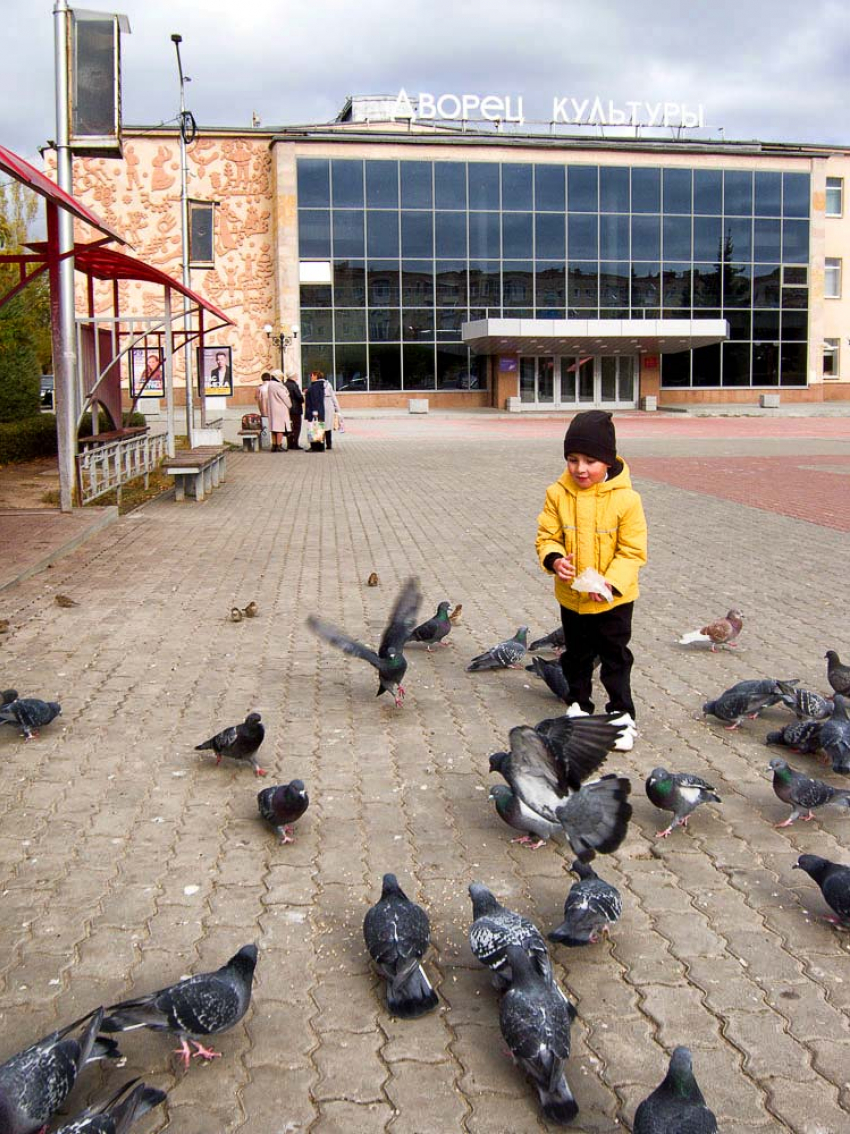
(397, 935)
(35, 1082)
(553, 641)
(239, 742)
(592, 905)
(800, 736)
(802, 793)
(834, 882)
(536, 831)
(594, 816)
(389, 660)
(834, 736)
(721, 632)
(283, 805)
(677, 1105)
(117, 1114)
(507, 655)
(494, 929)
(733, 705)
(200, 1005)
(535, 1019)
(807, 705)
(679, 792)
(837, 674)
(553, 675)
(30, 714)
(771, 689)
(435, 629)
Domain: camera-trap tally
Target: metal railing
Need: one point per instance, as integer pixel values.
(110, 460)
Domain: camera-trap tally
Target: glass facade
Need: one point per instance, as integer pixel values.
(417, 248)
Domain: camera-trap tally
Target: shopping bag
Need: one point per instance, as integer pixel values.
(315, 431)
(251, 423)
(339, 424)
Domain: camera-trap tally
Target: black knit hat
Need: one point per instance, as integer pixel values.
(592, 433)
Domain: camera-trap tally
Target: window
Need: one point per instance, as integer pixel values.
(834, 196)
(830, 359)
(832, 278)
(201, 233)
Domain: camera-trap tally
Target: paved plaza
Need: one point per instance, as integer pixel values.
(127, 859)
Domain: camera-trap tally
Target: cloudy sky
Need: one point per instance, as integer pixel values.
(768, 69)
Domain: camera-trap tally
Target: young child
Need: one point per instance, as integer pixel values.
(594, 518)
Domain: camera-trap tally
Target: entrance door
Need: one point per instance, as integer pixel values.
(605, 381)
(537, 381)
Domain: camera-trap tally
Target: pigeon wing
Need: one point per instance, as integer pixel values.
(342, 641)
(402, 618)
(581, 744)
(536, 776)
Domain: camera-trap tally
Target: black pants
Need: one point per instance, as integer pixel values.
(295, 430)
(607, 636)
(329, 436)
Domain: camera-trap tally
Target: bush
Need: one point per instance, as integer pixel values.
(28, 438)
(20, 373)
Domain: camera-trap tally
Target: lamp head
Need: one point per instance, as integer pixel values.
(268, 328)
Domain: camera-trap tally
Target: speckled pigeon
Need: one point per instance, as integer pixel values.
(117, 1114)
(494, 928)
(800, 736)
(397, 935)
(770, 688)
(30, 714)
(837, 674)
(834, 735)
(435, 629)
(389, 660)
(200, 1005)
(733, 705)
(834, 882)
(553, 675)
(553, 641)
(807, 705)
(535, 1019)
(721, 632)
(507, 655)
(802, 793)
(239, 742)
(283, 805)
(35, 1082)
(677, 1105)
(679, 792)
(592, 905)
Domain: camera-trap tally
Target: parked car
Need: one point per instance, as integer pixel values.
(47, 387)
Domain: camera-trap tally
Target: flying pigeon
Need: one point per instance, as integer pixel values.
(834, 736)
(802, 793)
(837, 675)
(553, 641)
(117, 1114)
(594, 816)
(35, 1082)
(239, 742)
(800, 736)
(435, 629)
(536, 831)
(677, 1105)
(734, 704)
(29, 714)
(591, 906)
(283, 805)
(389, 661)
(535, 1019)
(507, 655)
(807, 705)
(456, 615)
(721, 632)
(679, 792)
(834, 882)
(553, 675)
(200, 1005)
(397, 935)
(495, 928)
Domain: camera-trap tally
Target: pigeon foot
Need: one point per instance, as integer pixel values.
(205, 1052)
(729, 727)
(665, 833)
(260, 771)
(286, 836)
(185, 1053)
(787, 822)
(527, 841)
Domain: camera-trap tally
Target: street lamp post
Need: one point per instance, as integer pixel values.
(184, 243)
(282, 341)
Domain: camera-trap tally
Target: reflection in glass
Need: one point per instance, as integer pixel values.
(766, 325)
(416, 184)
(483, 185)
(314, 183)
(676, 191)
(765, 364)
(736, 364)
(348, 232)
(795, 241)
(450, 234)
(518, 284)
(484, 236)
(613, 189)
(583, 188)
(646, 238)
(450, 185)
(417, 283)
(517, 235)
(677, 238)
(768, 194)
(451, 283)
(453, 368)
(738, 238)
(767, 240)
(646, 284)
(418, 367)
(384, 325)
(676, 286)
(314, 234)
(792, 364)
(613, 237)
(382, 232)
(549, 236)
(706, 366)
(551, 285)
(449, 322)
(347, 180)
(315, 295)
(485, 285)
(614, 284)
(740, 324)
(737, 285)
(549, 189)
(795, 325)
(349, 278)
(568, 381)
(766, 285)
(516, 187)
(350, 325)
(527, 384)
(351, 369)
(708, 191)
(582, 236)
(316, 325)
(384, 367)
(382, 282)
(795, 199)
(382, 184)
(417, 324)
(315, 357)
(708, 238)
(545, 379)
(417, 234)
(583, 286)
(646, 190)
(707, 284)
(608, 379)
(676, 369)
(738, 193)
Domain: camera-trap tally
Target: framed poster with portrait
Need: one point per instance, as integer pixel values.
(215, 371)
(147, 373)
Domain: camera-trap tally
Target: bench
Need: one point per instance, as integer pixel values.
(200, 470)
(250, 440)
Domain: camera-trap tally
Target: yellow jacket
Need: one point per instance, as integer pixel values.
(603, 526)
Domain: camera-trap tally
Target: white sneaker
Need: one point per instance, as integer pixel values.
(575, 710)
(626, 741)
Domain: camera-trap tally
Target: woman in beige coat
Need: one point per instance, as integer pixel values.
(275, 404)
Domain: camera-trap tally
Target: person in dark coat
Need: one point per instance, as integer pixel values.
(296, 413)
(321, 404)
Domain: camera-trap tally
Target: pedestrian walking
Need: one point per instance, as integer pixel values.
(322, 405)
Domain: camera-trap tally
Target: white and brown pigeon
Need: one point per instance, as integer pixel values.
(720, 632)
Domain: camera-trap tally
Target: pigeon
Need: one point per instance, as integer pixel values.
(733, 705)
(679, 792)
(591, 906)
(5, 625)
(494, 928)
(721, 632)
(117, 1114)
(594, 816)
(456, 615)
(200, 1005)
(389, 661)
(536, 830)
(807, 705)
(535, 1019)
(239, 742)
(507, 655)
(397, 935)
(283, 805)
(236, 614)
(35, 1082)
(553, 641)
(772, 689)
(435, 629)
(834, 882)
(29, 714)
(251, 610)
(834, 736)
(837, 675)
(677, 1105)
(7, 696)
(553, 675)
(65, 600)
(802, 793)
(373, 580)
(800, 736)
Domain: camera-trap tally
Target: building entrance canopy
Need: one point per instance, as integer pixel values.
(592, 336)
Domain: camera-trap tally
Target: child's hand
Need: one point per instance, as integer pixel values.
(564, 568)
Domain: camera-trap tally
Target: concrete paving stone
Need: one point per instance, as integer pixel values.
(762, 954)
(487, 1064)
(350, 1067)
(498, 1114)
(425, 1098)
(622, 1047)
(807, 1013)
(806, 1108)
(725, 985)
(345, 1117)
(692, 935)
(349, 1004)
(774, 1049)
(289, 885)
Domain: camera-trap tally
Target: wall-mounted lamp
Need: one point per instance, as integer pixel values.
(282, 340)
